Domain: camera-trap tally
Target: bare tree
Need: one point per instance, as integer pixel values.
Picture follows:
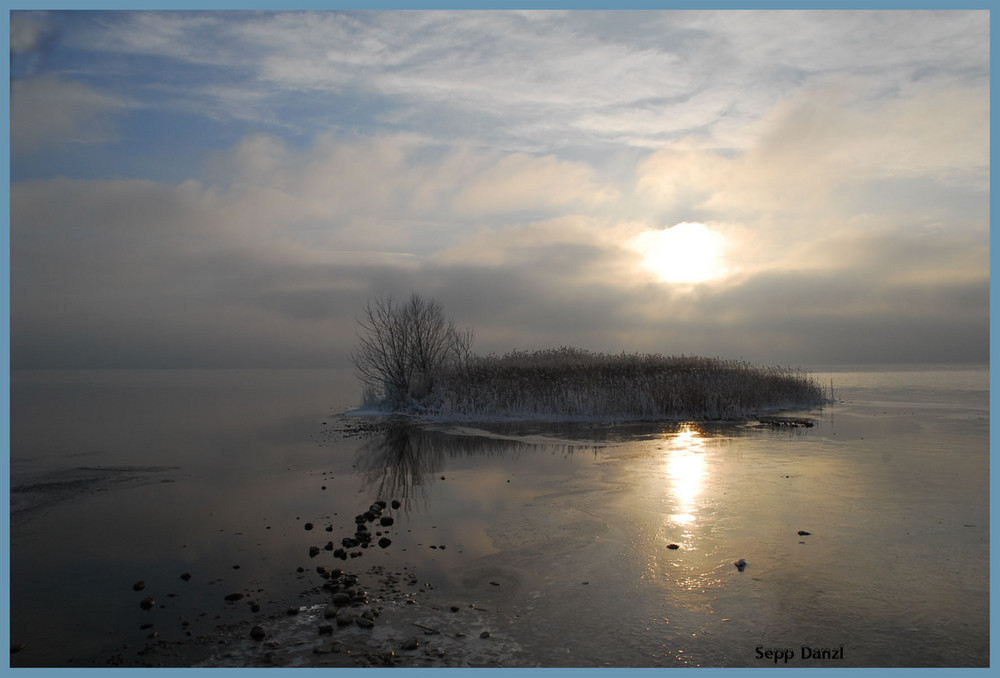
(403, 347)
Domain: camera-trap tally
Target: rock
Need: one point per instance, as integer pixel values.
(454, 608)
(186, 576)
(340, 553)
(17, 647)
(328, 546)
(138, 586)
(740, 564)
(309, 526)
(386, 521)
(257, 633)
(292, 611)
(395, 504)
(673, 547)
(484, 634)
(411, 644)
(364, 622)
(329, 612)
(369, 516)
(326, 630)
(384, 541)
(147, 603)
(803, 533)
(234, 597)
(341, 598)
(344, 620)
(381, 504)
(313, 551)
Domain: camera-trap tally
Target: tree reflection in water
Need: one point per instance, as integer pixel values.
(405, 459)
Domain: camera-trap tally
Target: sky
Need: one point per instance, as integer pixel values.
(228, 189)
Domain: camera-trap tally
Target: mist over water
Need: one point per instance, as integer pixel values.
(539, 533)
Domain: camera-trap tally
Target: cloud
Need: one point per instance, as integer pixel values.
(502, 162)
(48, 110)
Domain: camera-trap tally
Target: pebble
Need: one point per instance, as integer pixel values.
(803, 533)
(384, 541)
(147, 603)
(386, 521)
(138, 586)
(313, 551)
(309, 526)
(673, 546)
(234, 596)
(257, 633)
(740, 564)
(364, 622)
(326, 630)
(411, 644)
(186, 576)
(395, 504)
(484, 634)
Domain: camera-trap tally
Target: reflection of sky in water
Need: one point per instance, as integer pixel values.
(251, 459)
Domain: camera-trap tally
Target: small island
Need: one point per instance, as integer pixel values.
(412, 360)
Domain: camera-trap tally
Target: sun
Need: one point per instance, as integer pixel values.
(686, 253)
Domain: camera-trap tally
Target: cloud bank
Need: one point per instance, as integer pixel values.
(500, 162)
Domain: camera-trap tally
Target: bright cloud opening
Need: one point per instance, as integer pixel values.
(686, 253)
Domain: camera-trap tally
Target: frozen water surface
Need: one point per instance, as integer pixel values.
(519, 544)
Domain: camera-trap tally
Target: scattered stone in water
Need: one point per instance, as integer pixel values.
(147, 603)
(254, 607)
(386, 521)
(384, 542)
(381, 503)
(292, 611)
(341, 598)
(364, 622)
(326, 630)
(138, 586)
(803, 533)
(146, 626)
(344, 620)
(493, 583)
(340, 553)
(257, 633)
(395, 504)
(309, 526)
(234, 596)
(411, 644)
(484, 634)
(328, 546)
(186, 576)
(455, 608)
(313, 551)
(740, 564)
(673, 546)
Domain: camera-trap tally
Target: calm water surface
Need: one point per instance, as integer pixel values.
(553, 538)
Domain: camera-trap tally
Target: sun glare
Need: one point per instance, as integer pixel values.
(686, 253)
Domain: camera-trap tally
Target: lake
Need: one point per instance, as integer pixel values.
(519, 544)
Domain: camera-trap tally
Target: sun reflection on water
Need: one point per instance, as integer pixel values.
(686, 471)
